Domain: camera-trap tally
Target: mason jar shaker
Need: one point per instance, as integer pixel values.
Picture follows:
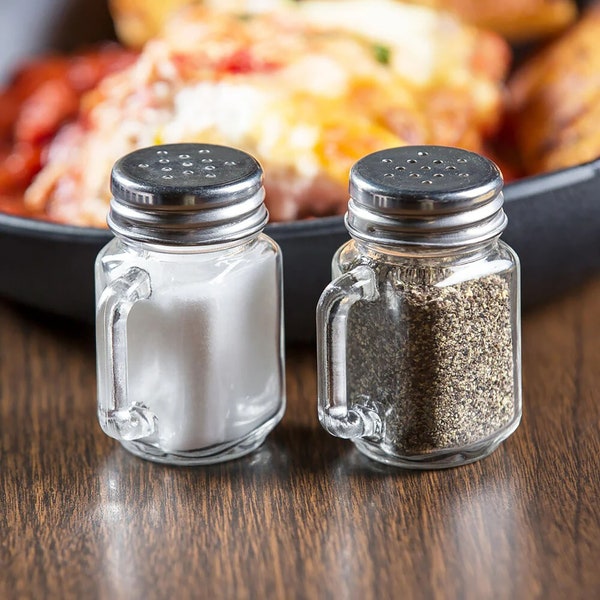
(189, 307)
(419, 332)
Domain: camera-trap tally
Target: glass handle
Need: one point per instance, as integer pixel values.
(118, 418)
(332, 319)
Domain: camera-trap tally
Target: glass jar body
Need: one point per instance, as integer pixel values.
(190, 348)
(430, 349)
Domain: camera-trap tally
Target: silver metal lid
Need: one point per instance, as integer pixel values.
(187, 194)
(426, 196)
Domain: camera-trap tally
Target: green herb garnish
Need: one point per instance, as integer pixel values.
(382, 54)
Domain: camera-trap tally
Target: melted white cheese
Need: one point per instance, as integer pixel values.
(231, 110)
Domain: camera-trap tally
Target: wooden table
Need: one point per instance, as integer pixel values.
(305, 516)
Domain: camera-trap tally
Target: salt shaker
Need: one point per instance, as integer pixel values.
(189, 307)
(419, 333)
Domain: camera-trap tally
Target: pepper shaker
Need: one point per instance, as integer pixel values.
(419, 333)
(189, 307)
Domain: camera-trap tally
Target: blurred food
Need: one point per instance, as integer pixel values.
(308, 87)
(555, 100)
(517, 20)
(307, 90)
(43, 95)
(137, 21)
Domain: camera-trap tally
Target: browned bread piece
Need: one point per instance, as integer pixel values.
(137, 21)
(555, 100)
(517, 20)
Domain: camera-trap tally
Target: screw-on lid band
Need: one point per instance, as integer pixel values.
(187, 194)
(425, 195)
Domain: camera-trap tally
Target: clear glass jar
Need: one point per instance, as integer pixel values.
(419, 333)
(190, 335)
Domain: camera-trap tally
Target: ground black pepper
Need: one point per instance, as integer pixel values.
(436, 361)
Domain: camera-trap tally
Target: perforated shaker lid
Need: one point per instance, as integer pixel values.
(425, 195)
(187, 194)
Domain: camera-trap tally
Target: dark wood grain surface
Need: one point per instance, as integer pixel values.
(305, 516)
